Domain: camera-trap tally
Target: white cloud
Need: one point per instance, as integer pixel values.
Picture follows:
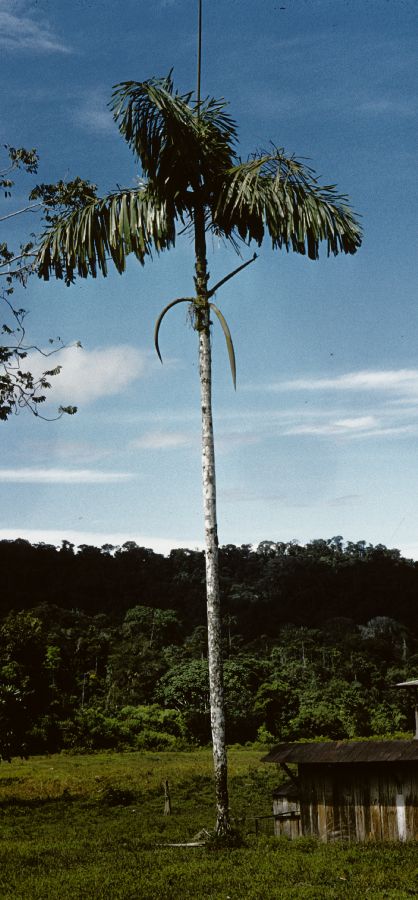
(338, 427)
(391, 380)
(356, 423)
(62, 476)
(351, 431)
(19, 30)
(162, 440)
(377, 403)
(78, 452)
(89, 374)
(385, 106)
(94, 114)
(173, 440)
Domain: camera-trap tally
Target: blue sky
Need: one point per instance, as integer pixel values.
(321, 436)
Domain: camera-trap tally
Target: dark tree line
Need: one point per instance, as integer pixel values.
(267, 587)
(107, 647)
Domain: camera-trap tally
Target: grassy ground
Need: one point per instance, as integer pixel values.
(84, 827)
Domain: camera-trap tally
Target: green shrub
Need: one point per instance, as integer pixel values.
(154, 717)
(92, 730)
(155, 740)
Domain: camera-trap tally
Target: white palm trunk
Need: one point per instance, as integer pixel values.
(217, 711)
(217, 706)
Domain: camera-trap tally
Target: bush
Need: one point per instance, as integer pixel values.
(92, 730)
(133, 727)
(156, 740)
(154, 718)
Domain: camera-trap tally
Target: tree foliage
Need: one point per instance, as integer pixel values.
(316, 638)
(269, 194)
(20, 387)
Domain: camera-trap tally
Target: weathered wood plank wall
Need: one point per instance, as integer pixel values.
(362, 803)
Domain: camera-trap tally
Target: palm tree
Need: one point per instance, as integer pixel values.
(195, 182)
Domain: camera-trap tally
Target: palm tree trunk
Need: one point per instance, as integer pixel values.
(217, 710)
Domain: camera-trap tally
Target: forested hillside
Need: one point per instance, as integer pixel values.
(107, 647)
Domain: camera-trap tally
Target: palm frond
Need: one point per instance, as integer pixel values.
(187, 152)
(106, 229)
(274, 194)
(180, 145)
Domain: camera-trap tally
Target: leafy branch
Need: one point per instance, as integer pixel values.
(20, 388)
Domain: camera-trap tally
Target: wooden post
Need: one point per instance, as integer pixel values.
(167, 801)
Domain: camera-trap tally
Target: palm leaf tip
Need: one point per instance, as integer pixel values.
(160, 319)
(229, 344)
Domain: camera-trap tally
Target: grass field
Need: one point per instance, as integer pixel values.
(84, 827)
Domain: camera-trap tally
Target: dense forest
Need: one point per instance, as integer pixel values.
(107, 647)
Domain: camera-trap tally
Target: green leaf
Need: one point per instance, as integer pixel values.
(70, 410)
(229, 344)
(160, 319)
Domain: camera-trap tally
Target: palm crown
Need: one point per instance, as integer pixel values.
(188, 158)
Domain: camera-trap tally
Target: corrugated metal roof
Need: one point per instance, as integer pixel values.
(345, 752)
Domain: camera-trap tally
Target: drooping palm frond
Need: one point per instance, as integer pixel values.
(274, 194)
(181, 146)
(126, 222)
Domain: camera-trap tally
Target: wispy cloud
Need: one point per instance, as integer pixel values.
(162, 440)
(387, 106)
(60, 451)
(229, 440)
(89, 374)
(93, 113)
(174, 440)
(20, 30)
(337, 429)
(358, 405)
(77, 451)
(343, 427)
(62, 476)
(398, 381)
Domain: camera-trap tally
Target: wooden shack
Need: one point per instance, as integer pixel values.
(348, 790)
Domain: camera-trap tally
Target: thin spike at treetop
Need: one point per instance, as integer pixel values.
(199, 54)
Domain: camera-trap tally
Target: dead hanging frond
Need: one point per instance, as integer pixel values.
(189, 300)
(229, 344)
(196, 312)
